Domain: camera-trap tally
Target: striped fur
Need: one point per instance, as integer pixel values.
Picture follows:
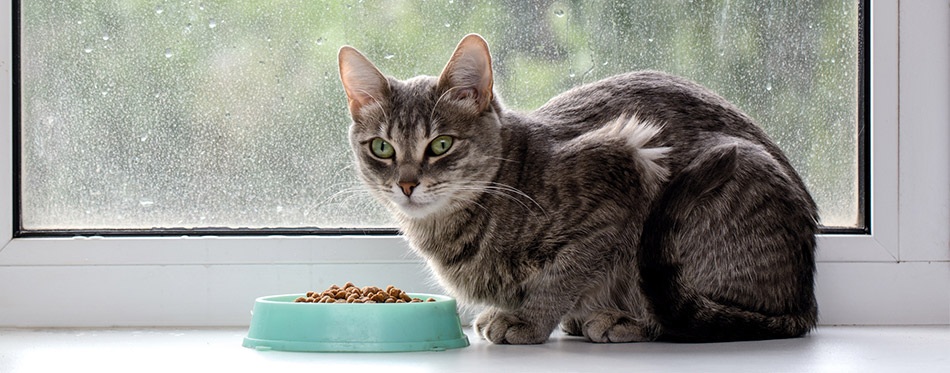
(636, 208)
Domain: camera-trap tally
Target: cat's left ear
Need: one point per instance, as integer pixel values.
(468, 76)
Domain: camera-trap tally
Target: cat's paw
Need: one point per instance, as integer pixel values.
(506, 328)
(612, 326)
(481, 322)
(573, 326)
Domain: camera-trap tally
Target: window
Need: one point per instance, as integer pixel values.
(182, 115)
(212, 279)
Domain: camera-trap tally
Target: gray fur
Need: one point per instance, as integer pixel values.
(639, 207)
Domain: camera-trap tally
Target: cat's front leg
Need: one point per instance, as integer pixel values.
(548, 297)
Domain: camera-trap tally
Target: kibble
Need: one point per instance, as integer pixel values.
(350, 293)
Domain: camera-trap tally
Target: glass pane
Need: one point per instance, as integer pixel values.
(141, 114)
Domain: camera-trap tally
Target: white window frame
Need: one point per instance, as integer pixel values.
(899, 274)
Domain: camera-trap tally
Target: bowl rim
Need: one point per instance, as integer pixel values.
(271, 299)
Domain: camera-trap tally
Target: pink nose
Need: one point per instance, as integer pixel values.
(407, 187)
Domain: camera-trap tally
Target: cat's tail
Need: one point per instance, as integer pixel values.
(683, 313)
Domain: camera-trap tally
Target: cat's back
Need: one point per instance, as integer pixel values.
(692, 117)
(659, 97)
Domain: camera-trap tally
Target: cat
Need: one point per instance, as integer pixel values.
(640, 207)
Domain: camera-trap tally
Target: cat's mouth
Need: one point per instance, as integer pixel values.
(416, 207)
(419, 203)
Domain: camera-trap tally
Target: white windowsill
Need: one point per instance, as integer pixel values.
(837, 349)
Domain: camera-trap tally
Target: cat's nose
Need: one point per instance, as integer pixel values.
(407, 187)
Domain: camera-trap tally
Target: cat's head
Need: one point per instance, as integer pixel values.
(428, 145)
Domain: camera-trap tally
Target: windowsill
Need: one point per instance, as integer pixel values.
(832, 348)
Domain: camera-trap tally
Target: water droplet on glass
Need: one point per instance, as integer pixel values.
(571, 73)
(451, 1)
(168, 53)
(604, 64)
(448, 24)
(650, 40)
(559, 13)
(227, 115)
(105, 36)
(832, 60)
(159, 10)
(88, 49)
(143, 138)
(326, 75)
(389, 56)
(319, 41)
(146, 203)
(768, 86)
(211, 23)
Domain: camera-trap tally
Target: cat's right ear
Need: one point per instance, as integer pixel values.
(365, 86)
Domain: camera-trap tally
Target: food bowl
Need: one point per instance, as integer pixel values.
(280, 324)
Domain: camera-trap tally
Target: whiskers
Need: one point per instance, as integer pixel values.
(347, 192)
(470, 200)
(358, 196)
(505, 191)
(500, 159)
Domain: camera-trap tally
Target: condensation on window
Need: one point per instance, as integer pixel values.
(145, 114)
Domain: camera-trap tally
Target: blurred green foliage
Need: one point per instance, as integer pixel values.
(140, 114)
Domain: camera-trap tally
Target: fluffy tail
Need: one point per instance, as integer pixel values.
(683, 314)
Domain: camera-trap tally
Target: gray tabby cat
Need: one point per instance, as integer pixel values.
(636, 208)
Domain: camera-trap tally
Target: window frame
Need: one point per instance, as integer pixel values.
(184, 272)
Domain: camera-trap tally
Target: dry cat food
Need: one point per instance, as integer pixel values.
(349, 293)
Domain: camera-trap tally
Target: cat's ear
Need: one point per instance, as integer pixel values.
(363, 82)
(468, 76)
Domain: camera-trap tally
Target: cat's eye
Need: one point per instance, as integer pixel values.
(381, 148)
(440, 145)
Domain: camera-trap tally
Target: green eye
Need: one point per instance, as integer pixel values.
(440, 145)
(381, 148)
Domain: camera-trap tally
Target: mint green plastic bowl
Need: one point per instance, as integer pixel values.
(280, 324)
